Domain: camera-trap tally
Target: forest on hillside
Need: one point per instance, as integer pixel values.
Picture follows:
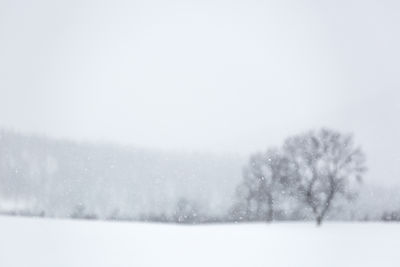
(41, 176)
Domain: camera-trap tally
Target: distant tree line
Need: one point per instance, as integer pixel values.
(309, 177)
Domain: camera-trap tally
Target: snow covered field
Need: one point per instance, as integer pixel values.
(31, 242)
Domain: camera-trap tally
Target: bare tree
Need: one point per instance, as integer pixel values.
(186, 212)
(264, 180)
(323, 166)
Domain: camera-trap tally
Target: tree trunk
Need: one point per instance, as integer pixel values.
(270, 208)
(319, 220)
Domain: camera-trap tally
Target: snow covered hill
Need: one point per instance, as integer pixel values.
(35, 242)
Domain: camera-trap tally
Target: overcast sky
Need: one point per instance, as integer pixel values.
(217, 76)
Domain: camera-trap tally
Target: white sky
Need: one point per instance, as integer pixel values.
(217, 76)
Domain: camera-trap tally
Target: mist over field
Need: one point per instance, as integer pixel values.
(42, 176)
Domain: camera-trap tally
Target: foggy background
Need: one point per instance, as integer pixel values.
(219, 78)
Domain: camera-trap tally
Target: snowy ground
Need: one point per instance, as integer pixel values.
(26, 242)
